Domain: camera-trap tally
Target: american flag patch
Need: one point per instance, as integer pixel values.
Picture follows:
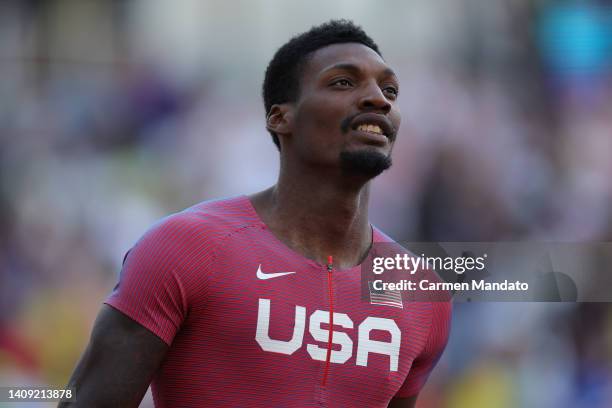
(385, 297)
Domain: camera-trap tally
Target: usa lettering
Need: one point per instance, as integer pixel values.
(365, 345)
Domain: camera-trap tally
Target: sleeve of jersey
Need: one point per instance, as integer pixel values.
(427, 360)
(155, 285)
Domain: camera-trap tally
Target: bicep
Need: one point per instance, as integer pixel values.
(408, 402)
(118, 364)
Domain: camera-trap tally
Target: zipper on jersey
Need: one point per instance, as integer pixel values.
(330, 267)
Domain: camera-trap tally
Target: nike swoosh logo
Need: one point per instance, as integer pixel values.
(262, 275)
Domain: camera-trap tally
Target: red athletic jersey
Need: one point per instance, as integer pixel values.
(247, 319)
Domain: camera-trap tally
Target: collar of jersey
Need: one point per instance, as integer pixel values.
(377, 236)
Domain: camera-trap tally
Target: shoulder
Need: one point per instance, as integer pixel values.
(380, 237)
(216, 216)
(202, 225)
(387, 247)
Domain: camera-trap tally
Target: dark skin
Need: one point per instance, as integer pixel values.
(317, 208)
(118, 364)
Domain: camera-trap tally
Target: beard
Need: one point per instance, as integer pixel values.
(364, 162)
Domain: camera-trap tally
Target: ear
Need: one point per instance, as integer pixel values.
(280, 119)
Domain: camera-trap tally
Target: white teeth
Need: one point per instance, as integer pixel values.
(370, 128)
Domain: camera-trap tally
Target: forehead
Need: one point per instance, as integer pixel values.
(355, 54)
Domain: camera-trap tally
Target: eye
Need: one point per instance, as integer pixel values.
(342, 83)
(391, 90)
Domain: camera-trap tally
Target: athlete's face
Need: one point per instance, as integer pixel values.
(346, 114)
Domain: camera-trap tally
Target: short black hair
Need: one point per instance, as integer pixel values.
(282, 80)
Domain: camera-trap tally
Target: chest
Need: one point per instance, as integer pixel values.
(271, 301)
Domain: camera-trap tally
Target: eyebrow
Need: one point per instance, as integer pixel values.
(356, 70)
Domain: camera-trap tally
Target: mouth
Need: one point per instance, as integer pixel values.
(370, 128)
(375, 126)
(371, 134)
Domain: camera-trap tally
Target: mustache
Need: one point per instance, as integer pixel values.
(345, 125)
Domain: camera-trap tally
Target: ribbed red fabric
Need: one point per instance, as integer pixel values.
(203, 281)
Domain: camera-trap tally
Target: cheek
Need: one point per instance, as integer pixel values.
(320, 119)
(396, 118)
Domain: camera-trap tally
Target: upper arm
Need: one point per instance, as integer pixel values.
(141, 317)
(435, 344)
(118, 364)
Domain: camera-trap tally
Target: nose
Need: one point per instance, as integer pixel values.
(373, 99)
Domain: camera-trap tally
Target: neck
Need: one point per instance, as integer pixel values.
(319, 215)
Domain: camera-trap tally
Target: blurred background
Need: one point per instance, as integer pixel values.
(116, 113)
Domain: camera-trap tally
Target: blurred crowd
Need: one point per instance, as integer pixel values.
(116, 113)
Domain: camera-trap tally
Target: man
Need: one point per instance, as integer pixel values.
(229, 303)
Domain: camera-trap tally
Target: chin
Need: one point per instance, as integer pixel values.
(365, 162)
